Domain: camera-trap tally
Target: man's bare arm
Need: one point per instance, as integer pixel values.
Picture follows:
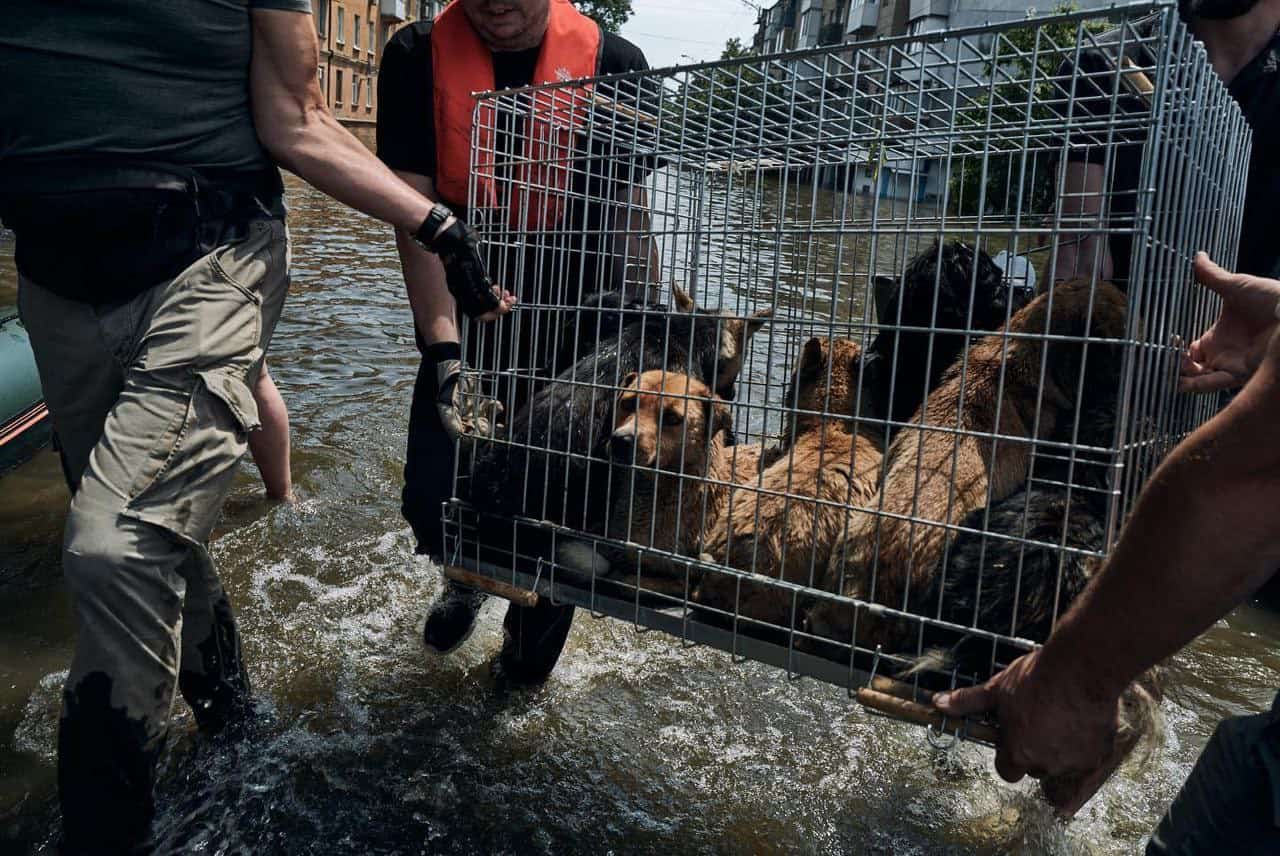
(1081, 208)
(643, 268)
(301, 134)
(1202, 538)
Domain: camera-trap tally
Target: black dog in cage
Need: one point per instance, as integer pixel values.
(1019, 585)
(945, 290)
(552, 462)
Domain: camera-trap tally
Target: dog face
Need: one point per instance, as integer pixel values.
(826, 378)
(666, 420)
(952, 266)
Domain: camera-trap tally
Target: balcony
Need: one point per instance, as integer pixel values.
(396, 10)
(831, 34)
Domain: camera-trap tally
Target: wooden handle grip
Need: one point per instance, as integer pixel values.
(895, 704)
(518, 596)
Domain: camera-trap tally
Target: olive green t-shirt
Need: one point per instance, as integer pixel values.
(157, 81)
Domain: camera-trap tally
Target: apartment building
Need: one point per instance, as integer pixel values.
(352, 35)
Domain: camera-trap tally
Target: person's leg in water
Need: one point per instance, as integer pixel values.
(428, 481)
(1231, 801)
(163, 409)
(269, 445)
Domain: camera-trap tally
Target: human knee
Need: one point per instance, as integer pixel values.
(107, 557)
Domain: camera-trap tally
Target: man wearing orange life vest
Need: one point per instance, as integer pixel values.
(429, 72)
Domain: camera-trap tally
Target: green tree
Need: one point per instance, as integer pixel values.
(609, 14)
(734, 48)
(1019, 176)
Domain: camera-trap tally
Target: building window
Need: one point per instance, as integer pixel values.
(342, 28)
(321, 10)
(355, 32)
(337, 90)
(355, 90)
(320, 76)
(368, 95)
(371, 41)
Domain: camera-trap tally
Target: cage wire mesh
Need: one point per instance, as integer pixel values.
(837, 358)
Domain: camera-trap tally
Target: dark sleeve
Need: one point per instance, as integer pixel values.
(282, 5)
(406, 133)
(618, 55)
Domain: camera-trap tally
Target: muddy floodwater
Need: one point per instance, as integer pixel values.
(636, 744)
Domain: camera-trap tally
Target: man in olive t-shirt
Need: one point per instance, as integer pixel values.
(138, 152)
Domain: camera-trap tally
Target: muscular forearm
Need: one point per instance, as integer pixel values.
(1203, 537)
(325, 155)
(1082, 249)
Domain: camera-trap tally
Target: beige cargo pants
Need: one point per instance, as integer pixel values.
(150, 401)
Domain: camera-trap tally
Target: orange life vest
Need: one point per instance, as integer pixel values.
(462, 64)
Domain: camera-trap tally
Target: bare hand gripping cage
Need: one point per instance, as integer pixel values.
(850, 360)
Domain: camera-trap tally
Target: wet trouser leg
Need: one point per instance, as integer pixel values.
(1231, 801)
(535, 637)
(151, 401)
(428, 465)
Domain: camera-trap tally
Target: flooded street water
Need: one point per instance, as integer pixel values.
(636, 744)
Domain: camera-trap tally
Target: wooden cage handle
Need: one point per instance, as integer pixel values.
(518, 596)
(899, 700)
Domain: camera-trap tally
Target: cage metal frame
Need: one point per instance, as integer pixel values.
(734, 158)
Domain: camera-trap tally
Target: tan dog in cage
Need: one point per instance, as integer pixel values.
(668, 441)
(969, 446)
(785, 522)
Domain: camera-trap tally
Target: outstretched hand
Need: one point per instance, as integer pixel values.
(1229, 352)
(1050, 729)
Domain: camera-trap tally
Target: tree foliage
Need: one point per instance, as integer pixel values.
(609, 14)
(1018, 177)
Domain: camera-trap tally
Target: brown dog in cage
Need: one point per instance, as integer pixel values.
(785, 523)
(970, 445)
(668, 440)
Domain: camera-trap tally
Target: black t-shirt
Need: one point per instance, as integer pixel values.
(406, 115)
(1256, 89)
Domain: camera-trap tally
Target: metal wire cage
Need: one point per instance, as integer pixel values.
(836, 358)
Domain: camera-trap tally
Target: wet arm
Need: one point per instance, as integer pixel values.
(1080, 209)
(640, 250)
(1203, 537)
(301, 134)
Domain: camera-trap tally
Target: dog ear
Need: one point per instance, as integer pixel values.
(630, 380)
(757, 319)
(813, 356)
(885, 294)
(683, 301)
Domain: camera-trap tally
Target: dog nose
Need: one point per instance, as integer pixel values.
(622, 447)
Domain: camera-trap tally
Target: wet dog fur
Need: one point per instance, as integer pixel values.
(947, 287)
(936, 477)
(785, 522)
(553, 461)
(669, 441)
(1019, 588)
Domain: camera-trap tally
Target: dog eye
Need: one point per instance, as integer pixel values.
(672, 418)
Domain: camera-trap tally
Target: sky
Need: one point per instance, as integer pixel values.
(677, 32)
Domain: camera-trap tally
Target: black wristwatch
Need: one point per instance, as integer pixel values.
(426, 234)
